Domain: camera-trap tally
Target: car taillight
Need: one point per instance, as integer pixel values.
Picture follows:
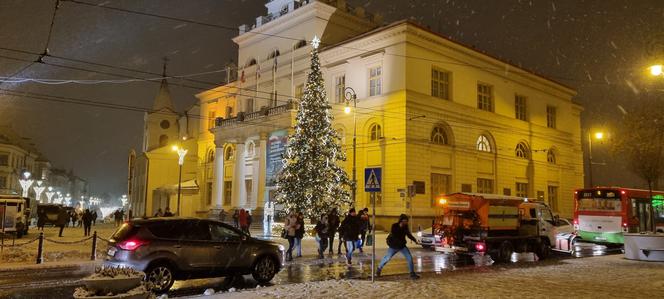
(131, 245)
(576, 222)
(480, 247)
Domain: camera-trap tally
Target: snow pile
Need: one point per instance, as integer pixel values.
(208, 292)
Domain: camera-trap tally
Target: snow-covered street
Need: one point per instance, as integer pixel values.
(596, 277)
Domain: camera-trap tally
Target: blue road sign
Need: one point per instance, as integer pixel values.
(372, 179)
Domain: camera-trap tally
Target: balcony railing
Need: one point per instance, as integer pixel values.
(242, 116)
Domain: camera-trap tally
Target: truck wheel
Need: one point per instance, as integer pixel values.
(543, 250)
(505, 251)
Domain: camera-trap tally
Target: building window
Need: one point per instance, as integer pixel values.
(440, 84)
(483, 144)
(551, 117)
(375, 132)
(553, 197)
(251, 149)
(228, 192)
(339, 87)
(485, 186)
(249, 105)
(210, 156)
(440, 185)
(375, 81)
(211, 119)
(208, 194)
(300, 44)
(3, 182)
(229, 154)
(507, 191)
(4, 159)
(485, 97)
(466, 188)
(248, 187)
(229, 111)
(164, 124)
(438, 135)
(551, 156)
(520, 109)
(522, 151)
(163, 140)
(299, 91)
(251, 62)
(522, 189)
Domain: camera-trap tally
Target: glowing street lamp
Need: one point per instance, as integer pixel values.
(181, 154)
(350, 95)
(25, 182)
(39, 189)
(124, 200)
(599, 136)
(656, 70)
(49, 194)
(68, 199)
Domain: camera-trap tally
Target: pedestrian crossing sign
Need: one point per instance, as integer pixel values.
(372, 179)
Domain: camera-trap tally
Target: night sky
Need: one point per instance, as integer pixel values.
(600, 48)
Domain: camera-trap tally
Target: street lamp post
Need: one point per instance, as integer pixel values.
(25, 182)
(68, 200)
(350, 95)
(39, 189)
(181, 154)
(598, 136)
(49, 194)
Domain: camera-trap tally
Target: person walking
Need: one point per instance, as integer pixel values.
(63, 218)
(41, 220)
(290, 227)
(242, 220)
(299, 234)
(87, 222)
(250, 219)
(94, 218)
(79, 218)
(396, 241)
(159, 213)
(236, 218)
(351, 231)
(322, 230)
(332, 227)
(116, 217)
(222, 215)
(364, 226)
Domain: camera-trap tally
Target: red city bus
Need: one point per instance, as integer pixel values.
(603, 214)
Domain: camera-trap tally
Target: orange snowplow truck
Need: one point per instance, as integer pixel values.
(495, 224)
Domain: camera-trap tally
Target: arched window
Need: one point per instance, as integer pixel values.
(483, 144)
(375, 132)
(439, 136)
(210, 156)
(522, 151)
(551, 156)
(300, 44)
(251, 149)
(273, 54)
(163, 140)
(229, 154)
(251, 62)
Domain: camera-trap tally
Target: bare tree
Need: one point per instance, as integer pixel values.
(640, 140)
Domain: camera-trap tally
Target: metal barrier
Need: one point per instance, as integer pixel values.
(41, 239)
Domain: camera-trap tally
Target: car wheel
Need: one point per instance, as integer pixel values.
(505, 251)
(543, 250)
(264, 269)
(161, 276)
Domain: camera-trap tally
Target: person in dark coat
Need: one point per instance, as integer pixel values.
(167, 212)
(322, 230)
(87, 222)
(332, 226)
(63, 218)
(41, 220)
(351, 231)
(364, 226)
(396, 241)
(299, 234)
(94, 218)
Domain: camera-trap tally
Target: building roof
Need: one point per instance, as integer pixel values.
(468, 47)
(163, 99)
(9, 136)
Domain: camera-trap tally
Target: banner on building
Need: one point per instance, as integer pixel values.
(276, 146)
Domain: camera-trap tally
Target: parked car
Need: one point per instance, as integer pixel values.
(428, 239)
(169, 249)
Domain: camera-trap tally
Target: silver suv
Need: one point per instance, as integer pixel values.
(170, 248)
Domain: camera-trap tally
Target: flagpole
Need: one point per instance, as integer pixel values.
(292, 59)
(274, 79)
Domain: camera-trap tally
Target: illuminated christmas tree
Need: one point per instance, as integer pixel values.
(311, 181)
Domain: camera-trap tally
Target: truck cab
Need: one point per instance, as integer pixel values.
(14, 214)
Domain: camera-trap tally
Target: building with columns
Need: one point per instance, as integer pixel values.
(430, 112)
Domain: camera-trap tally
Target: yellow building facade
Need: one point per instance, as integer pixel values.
(430, 112)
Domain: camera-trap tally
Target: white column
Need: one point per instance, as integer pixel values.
(239, 192)
(218, 184)
(262, 167)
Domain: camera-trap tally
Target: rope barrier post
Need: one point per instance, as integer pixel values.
(40, 249)
(93, 255)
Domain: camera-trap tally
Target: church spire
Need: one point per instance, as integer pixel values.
(163, 99)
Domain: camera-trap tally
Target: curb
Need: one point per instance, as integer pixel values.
(84, 266)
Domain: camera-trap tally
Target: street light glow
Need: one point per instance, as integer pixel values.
(656, 70)
(174, 148)
(599, 135)
(347, 109)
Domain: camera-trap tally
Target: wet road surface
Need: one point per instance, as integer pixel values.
(62, 282)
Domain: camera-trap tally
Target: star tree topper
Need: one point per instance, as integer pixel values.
(315, 42)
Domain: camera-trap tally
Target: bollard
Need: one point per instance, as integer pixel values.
(93, 255)
(40, 249)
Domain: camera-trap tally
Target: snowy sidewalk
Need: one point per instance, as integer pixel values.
(596, 277)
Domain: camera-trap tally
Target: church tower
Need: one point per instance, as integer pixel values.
(161, 122)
